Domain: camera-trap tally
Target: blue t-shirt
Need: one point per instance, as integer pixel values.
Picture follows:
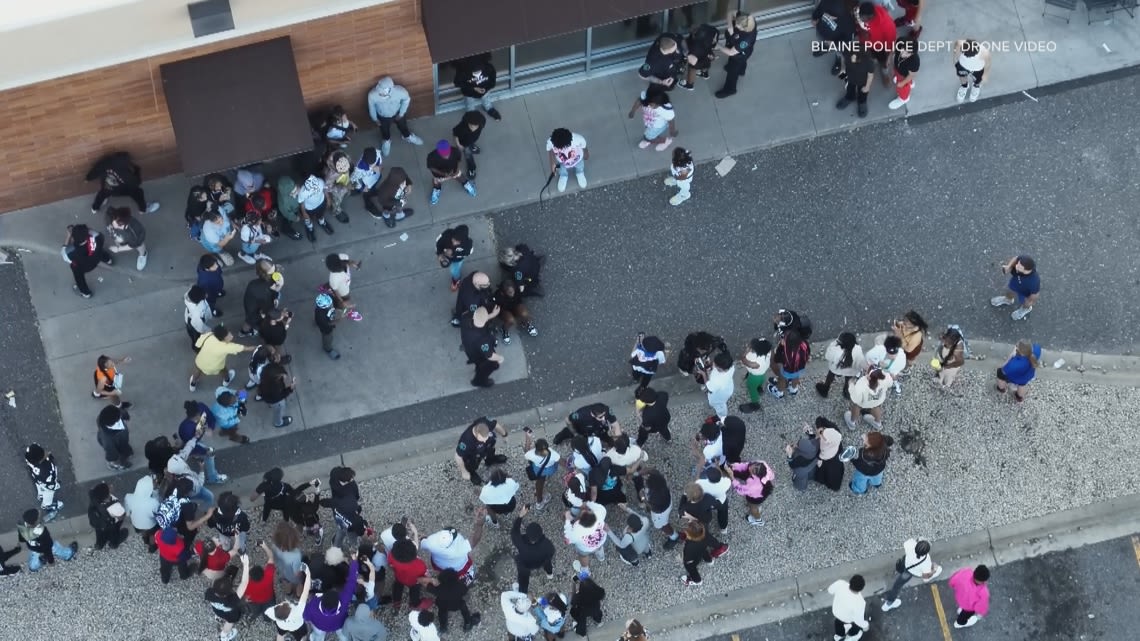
(1025, 285)
(1018, 370)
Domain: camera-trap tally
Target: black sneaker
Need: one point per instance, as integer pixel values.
(862, 110)
(843, 103)
(506, 336)
(486, 383)
(476, 617)
(822, 390)
(748, 408)
(285, 422)
(455, 322)
(324, 224)
(702, 73)
(311, 234)
(671, 543)
(342, 217)
(389, 221)
(475, 149)
(686, 85)
(494, 113)
(497, 459)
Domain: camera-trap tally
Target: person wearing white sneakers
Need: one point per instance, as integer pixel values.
(118, 175)
(906, 68)
(971, 594)
(567, 150)
(388, 103)
(972, 63)
(657, 114)
(849, 609)
(1024, 286)
(127, 234)
(680, 175)
(915, 562)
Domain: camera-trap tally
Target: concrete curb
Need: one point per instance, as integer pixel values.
(416, 452)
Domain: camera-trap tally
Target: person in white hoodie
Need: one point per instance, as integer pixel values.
(844, 361)
(849, 609)
(720, 386)
(179, 466)
(867, 396)
(521, 624)
(587, 533)
(141, 506)
(388, 103)
(197, 314)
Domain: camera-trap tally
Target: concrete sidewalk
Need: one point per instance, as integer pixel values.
(402, 290)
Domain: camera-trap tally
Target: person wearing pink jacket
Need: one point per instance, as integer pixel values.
(971, 594)
(754, 481)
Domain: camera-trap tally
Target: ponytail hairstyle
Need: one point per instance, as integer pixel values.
(875, 377)
(847, 342)
(682, 157)
(1025, 348)
(956, 339)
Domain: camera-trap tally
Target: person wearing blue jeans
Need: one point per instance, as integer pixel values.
(451, 248)
(41, 546)
(871, 462)
(200, 420)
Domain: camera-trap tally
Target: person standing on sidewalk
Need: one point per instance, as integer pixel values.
(664, 61)
(466, 135)
(105, 514)
(739, 42)
(338, 182)
(83, 250)
(276, 386)
(339, 284)
(128, 234)
(859, 75)
(118, 175)
(197, 314)
(261, 296)
(443, 164)
(971, 594)
(701, 43)
(906, 65)
(658, 117)
(213, 349)
(834, 23)
(567, 150)
(757, 360)
(532, 550)
(870, 464)
(388, 103)
(1019, 370)
(115, 438)
(972, 64)
(912, 17)
(915, 562)
(452, 247)
(109, 380)
(478, 341)
(475, 78)
(849, 608)
(844, 361)
(212, 281)
(45, 475)
(311, 195)
(1024, 286)
(326, 317)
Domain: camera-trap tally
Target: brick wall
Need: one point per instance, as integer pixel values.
(52, 131)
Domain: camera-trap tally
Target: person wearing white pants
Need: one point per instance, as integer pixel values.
(680, 175)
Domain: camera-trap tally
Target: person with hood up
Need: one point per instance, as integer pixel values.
(388, 103)
(450, 592)
(475, 78)
(362, 626)
(802, 457)
(33, 533)
(83, 250)
(118, 175)
(387, 201)
(328, 614)
(521, 624)
(141, 506)
(532, 550)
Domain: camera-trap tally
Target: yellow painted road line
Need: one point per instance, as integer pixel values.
(942, 613)
(1136, 547)
(736, 637)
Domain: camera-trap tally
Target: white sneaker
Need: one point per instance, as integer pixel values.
(562, 183)
(849, 420)
(1000, 301)
(969, 622)
(974, 91)
(961, 94)
(153, 207)
(679, 198)
(1020, 313)
(414, 139)
(670, 181)
(891, 605)
(581, 179)
(246, 258)
(140, 264)
(937, 571)
(386, 148)
(230, 374)
(898, 103)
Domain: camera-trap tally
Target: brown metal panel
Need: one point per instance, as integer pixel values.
(236, 107)
(458, 28)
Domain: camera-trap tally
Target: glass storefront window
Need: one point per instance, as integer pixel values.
(550, 50)
(711, 12)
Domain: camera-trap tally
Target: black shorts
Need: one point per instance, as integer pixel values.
(1001, 375)
(966, 73)
(297, 634)
(503, 509)
(755, 501)
(319, 212)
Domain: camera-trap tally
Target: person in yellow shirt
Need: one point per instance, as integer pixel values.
(213, 348)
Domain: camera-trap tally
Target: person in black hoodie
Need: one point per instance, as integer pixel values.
(696, 550)
(605, 483)
(231, 523)
(275, 387)
(105, 514)
(523, 266)
(478, 341)
(586, 601)
(262, 294)
(83, 250)
(278, 494)
(452, 246)
(532, 550)
(115, 438)
(342, 483)
(118, 175)
(349, 519)
(512, 310)
(701, 43)
(466, 135)
(732, 435)
(450, 596)
(158, 451)
(834, 22)
(41, 546)
(386, 202)
(653, 410)
(475, 78)
(860, 75)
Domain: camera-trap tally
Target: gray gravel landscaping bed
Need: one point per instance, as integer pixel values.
(962, 461)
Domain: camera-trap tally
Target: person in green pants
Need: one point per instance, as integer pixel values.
(756, 360)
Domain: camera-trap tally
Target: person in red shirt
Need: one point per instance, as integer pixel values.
(212, 559)
(409, 572)
(172, 551)
(877, 32)
(259, 593)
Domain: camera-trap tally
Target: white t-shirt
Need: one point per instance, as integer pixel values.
(499, 494)
(446, 552)
(572, 155)
(685, 170)
(587, 538)
(312, 193)
(924, 566)
(720, 382)
(877, 357)
(536, 458)
(714, 451)
(580, 462)
(340, 282)
(631, 456)
(656, 117)
(291, 623)
(718, 491)
(848, 606)
(765, 362)
(419, 632)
